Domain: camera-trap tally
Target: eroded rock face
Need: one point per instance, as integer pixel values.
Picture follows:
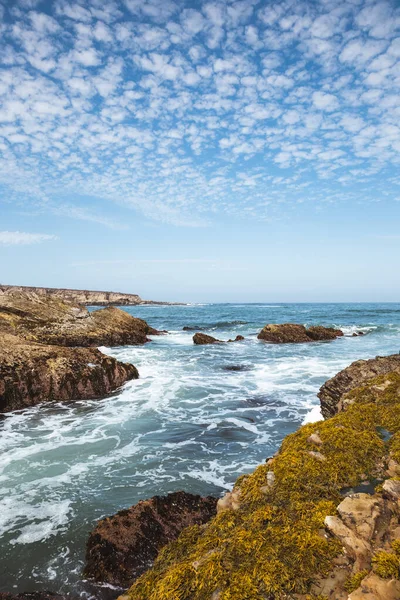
(49, 320)
(357, 374)
(33, 373)
(201, 339)
(291, 333)
(122, 547)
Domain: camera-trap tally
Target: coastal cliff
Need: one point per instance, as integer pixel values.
(318, 521)
(86, 297)
(48, 349)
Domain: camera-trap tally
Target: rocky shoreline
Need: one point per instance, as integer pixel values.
(85, 297)
(318, 521)
(48, 350)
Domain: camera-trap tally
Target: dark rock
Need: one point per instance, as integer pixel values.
(291, 333)
(358, 373)
(32, 373)
(122, 547)
(200, 339)
(238, 338)
(237, 368)
(31, 596)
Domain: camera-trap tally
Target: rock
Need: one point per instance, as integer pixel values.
(315, 439)
(375, 588)
(31, 596)
(122, 547)
(238, 338)
(53, 321)
(391, 489)
(357, 374)
(32, 373)
(361, 512)
(317, 455)
(358, 549)
(200, 339)
(237, 368)
(291, 333)
(230, 501)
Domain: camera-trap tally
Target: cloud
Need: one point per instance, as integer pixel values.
(19, 238)
(155, 107)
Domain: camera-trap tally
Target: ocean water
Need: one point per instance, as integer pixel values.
(189, 422)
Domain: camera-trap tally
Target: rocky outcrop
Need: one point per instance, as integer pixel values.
(86, 297)
(358, 373)
(46, 353)
(319, 520)
(53, 321)
(122, 547)
(32, 373)
(201, 339)
(291, 333)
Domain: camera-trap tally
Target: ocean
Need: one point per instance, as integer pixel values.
(198, 417)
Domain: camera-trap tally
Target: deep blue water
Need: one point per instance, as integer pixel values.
(187, 423)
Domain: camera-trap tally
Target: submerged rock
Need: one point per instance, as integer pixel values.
(31, 373)
(50, 320)
(291, 333)
(358, 373)
(122, 547)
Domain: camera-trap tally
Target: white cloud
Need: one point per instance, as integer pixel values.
(19, 238)
(325, 101)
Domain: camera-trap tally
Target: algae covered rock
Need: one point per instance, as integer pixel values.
(291, 333)
(32, 373)
(357, 374)
(285, 530)
(122, 547)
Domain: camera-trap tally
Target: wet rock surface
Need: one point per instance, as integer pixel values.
(122, 547)
(201, 339)
(291, 333)
(33, 373)
(47, 353)
(32, 596)
(358, 373)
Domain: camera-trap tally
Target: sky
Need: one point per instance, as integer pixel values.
(200, 151)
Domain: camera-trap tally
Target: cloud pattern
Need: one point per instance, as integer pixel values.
(235, 107)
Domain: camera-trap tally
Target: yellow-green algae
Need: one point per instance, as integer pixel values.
(274, 545)
(387, 564)
(354, 582)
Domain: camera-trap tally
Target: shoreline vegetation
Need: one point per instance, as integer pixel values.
(320, 520)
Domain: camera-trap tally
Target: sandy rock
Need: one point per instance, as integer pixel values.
(33, 373)
(315, 439)
(375, 588)
(317, 455)
(361, 512)
(391, 489)
(230, 501)
(358, 549)
(122, 547)
(357, 374)
(291, 333)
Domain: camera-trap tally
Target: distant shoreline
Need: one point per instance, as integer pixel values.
(87, 297)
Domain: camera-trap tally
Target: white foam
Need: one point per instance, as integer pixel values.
(313, 416)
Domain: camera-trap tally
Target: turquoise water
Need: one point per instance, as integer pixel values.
(188, 423)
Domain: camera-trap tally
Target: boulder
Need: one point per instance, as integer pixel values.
(238, 338)
(375, 588)
(122, 547)
(50, 320)
(201, 339)
(291, 333)
(31, 373)
(357, 374)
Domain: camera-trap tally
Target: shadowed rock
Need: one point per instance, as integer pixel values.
(291, 333)
(32, 596)
(358, 373)
(122, 547)
(31, 373)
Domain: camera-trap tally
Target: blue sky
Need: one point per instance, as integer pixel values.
(236, 150)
